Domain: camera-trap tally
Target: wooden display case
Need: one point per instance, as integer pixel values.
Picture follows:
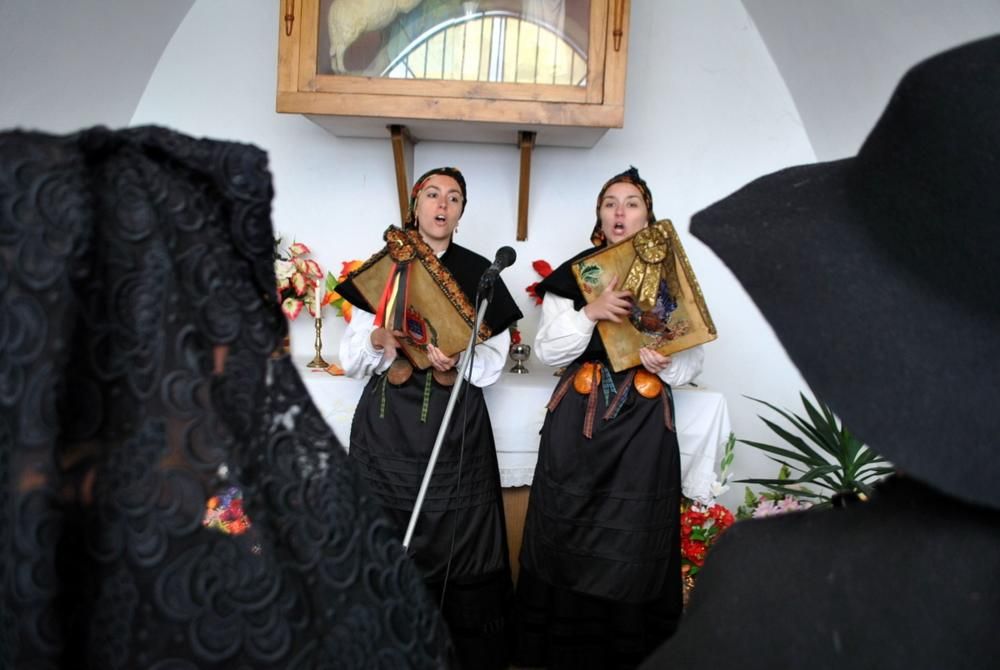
(457, 71)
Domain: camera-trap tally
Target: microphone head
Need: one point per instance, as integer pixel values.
(506, 256)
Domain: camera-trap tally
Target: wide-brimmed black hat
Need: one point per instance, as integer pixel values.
(879, 273)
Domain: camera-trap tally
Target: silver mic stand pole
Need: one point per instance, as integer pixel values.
(444, 428)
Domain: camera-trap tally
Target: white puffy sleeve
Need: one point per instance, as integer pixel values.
(684, 366)
(491, 356)
(360, 359)
(357, 355)
(563, 333)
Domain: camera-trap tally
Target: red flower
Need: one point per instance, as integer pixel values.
(238, 526)
(542, 268)
(693, 517)
(693, 551)
(531, 291)
(333, 298)
(225, 512)
(700, 528)
(515, 336)
(723, 517)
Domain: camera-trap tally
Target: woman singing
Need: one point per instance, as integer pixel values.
(600, 578)
(460, 541)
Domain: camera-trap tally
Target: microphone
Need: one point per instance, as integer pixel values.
(505, 258)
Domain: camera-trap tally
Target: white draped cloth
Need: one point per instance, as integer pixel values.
(517, 407)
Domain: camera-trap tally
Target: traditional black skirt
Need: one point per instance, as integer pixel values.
(462, 517)
(600, 579)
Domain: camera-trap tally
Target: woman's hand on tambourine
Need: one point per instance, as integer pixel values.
(611, 305)
(439, 360)
(653, 360)
(386, 342)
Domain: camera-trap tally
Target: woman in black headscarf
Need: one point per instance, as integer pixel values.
(460, 541)
(169, 495)
(600, 580)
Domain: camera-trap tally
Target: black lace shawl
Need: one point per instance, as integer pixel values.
(126, 258)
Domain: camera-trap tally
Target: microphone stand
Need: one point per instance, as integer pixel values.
(445, 422)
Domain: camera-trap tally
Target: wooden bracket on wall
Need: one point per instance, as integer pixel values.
(526, 140)
(402, 158)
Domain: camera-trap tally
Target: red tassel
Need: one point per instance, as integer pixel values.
(384, 300)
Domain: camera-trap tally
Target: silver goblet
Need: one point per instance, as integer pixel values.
(519, 354)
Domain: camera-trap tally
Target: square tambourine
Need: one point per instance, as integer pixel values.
(668, 313)
(418, 296)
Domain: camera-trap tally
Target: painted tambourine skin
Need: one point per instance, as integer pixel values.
(434, 310)
(669, 313)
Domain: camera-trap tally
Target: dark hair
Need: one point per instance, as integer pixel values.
(411, 215)
(630, 176)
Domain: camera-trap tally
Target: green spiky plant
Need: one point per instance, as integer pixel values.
(826, 463)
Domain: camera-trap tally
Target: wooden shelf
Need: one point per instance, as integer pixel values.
(527, 115)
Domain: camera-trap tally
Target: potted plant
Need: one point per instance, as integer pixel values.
(826, 464)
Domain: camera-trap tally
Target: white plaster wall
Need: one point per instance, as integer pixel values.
(706, 111)
(68, 64)
(843, 58)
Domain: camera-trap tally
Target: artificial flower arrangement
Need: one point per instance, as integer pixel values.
(224, 512)
(769, 503)
(298, 280)
(823, 464)
(703, 523)
(701, 527)
(336, 300)
(544, 270)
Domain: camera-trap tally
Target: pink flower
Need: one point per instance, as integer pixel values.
(297, 278)
(291, 307)
(769, 507)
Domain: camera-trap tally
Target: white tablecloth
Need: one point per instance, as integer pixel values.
(517, 409)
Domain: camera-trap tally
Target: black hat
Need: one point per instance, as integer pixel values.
(879, 272)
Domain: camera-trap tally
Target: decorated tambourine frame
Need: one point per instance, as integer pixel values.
(668, 312)
(411, 292)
